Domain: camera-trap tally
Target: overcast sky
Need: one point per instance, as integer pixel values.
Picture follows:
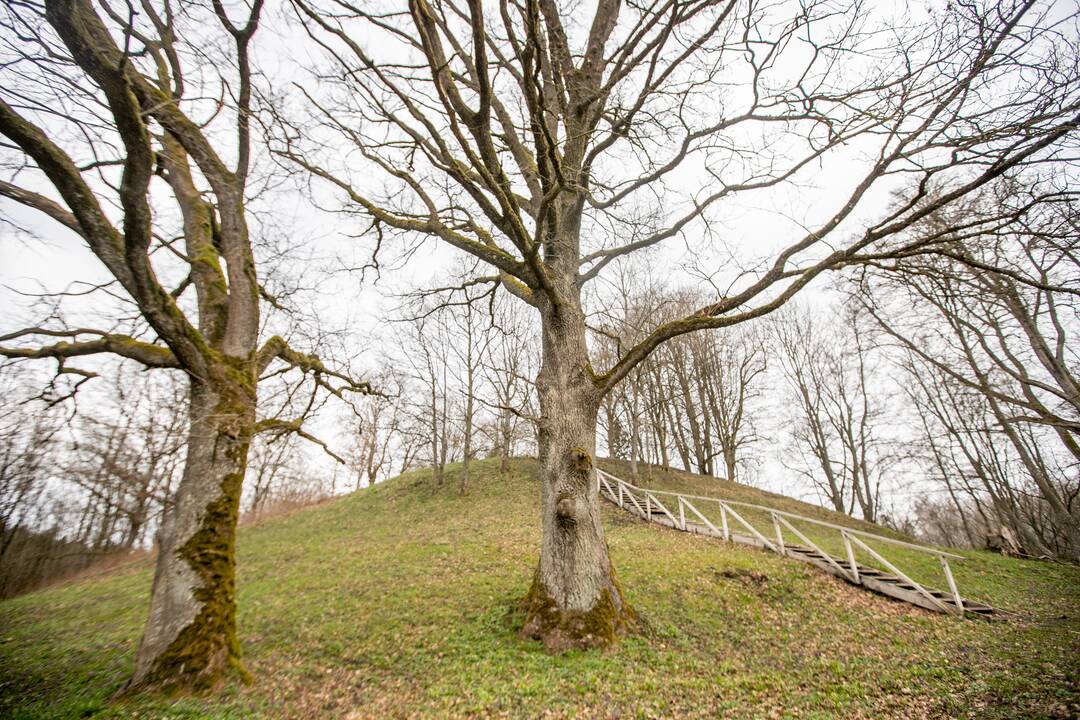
(752, 227)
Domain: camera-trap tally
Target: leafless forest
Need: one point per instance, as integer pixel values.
(819, 247)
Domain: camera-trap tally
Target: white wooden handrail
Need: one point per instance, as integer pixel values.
(900, 574)
(654, 499)
(781, 520)
(853, 574)
(753, 530)
(701, 517)
(793, 516)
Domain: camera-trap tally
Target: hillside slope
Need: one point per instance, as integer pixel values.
(400, 601)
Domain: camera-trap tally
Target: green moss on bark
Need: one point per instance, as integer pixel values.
(560, 630)
(207, 650)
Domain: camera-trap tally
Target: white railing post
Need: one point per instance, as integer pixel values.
(779, 533)
(900, 574)
(851, 557)
(704, 520)
(952, 585)
(626, 498)
(811, 544)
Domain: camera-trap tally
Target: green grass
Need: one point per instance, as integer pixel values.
(400, 601)
(980, 576)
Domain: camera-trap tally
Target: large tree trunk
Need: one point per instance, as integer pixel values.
(190, 639)
(574, 600)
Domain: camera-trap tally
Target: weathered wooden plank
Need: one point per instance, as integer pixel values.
(898, 585)
(829, 558)
(899, 573)
(649, 497)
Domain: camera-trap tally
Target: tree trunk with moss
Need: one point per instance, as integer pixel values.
(575, 600)
(190, 639)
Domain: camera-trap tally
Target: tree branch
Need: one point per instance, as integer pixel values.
(150, 355)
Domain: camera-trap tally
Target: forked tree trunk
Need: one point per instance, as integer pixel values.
(190, 639)
(574, 601)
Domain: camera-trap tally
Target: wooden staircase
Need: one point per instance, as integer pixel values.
(886, 579)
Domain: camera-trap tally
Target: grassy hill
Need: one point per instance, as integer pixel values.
(400, 601)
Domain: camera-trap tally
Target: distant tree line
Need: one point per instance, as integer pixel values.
(456, 382)
(84, 490)
(938, 394)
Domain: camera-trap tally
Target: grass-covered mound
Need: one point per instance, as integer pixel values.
(402, 601)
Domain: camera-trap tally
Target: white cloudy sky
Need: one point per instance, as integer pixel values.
(753, 226)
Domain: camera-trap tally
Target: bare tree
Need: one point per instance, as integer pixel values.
(697, 393)
(965, 455)
(376, 430)
(106, 110)
(127, 455)
(470, 346)
(267, 461)
(622, 324)
(90, 490)
(549, 147)
(281, 477)
(427, 353)
(508, 370)
(733, 366)
(992, 321)
(27, 433)
(839, 416)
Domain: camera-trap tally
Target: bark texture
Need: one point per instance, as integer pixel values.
(575, 600)
(190, 639)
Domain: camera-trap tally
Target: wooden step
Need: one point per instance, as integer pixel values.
(809, 552)
(876, 579)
